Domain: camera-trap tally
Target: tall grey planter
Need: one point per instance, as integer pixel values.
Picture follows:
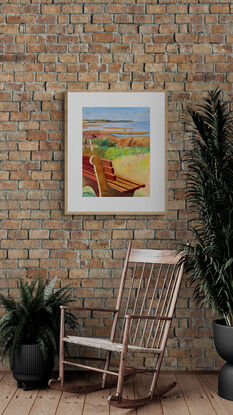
(223, 339)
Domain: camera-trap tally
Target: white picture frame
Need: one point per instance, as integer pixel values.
(81, 105)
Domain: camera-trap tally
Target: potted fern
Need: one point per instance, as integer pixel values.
(209, 263)
(29, 329)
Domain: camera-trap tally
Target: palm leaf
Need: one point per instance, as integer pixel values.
(209, 193)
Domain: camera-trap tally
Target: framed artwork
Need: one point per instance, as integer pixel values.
(115, 153)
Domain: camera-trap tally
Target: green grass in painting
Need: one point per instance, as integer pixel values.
(112, 153)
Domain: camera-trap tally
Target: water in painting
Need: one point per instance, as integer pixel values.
(120, 138)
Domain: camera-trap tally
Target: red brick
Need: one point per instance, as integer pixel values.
(102, 18)
(51, 9)
(17, 253)
(63, 254)
(38, 234)
(115, 8)
(28, 184)
(37, 135)
(17, 234)
(122, 234)
(103, 37)
(199, 8)
(10, 224)
(8, 263)
(123, 18)
(219, 8)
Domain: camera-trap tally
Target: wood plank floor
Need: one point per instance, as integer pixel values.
(194, 394)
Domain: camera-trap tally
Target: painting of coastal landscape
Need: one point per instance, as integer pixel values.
(115, 153)
(120, 137)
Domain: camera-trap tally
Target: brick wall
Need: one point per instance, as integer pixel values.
(182, 46)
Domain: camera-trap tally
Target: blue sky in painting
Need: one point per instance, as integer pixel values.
(117, 113)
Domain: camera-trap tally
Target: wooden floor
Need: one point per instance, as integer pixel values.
(195, 394)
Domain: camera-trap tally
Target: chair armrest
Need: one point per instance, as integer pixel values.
(73, 307)
(137, 316)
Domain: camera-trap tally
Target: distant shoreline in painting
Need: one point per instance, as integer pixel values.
(121, 136)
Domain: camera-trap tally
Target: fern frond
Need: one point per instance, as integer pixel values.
(34, 317)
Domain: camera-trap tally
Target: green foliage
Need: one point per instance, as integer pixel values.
(105, 148)
(104, 143)
(34, 317)
(112, 153)
(209, 263)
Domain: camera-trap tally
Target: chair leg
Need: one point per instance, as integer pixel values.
(106, 366)
(155, 381)
(122, 368)
(156, 375)
(121, 375)
(61, 348)
(61, 370)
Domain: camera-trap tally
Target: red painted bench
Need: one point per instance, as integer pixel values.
(99, 174)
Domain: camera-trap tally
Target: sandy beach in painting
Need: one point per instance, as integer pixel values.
(122, 135)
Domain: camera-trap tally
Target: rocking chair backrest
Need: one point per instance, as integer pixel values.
(149, 287)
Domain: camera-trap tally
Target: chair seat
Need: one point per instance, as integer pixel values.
(107, 344)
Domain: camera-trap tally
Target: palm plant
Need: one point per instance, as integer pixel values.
(34, 318)
(209, 263)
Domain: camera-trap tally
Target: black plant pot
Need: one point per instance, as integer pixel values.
(223, 340)
(29, 367)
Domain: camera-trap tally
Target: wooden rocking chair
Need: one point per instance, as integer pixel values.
(142, 318)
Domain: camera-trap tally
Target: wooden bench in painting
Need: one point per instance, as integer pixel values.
(99, 174)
